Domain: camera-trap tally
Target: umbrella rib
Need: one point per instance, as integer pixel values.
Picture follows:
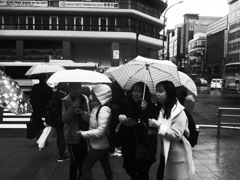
(165, 72)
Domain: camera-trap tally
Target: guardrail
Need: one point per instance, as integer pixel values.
(228, 125)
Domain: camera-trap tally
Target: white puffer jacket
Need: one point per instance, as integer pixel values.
(98, 127)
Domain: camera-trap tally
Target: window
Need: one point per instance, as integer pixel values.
(70, 23)
(94, 24)
(53, 22)
(38, 23)
(111, 24)
(22, 22)
(103, 24)
(86, 23)
(45, 23)
(30, 22)
(61, 23)
(79, 23)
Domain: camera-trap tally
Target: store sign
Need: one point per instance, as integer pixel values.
(115, 54)
(225, 43)
(87, 4)
(24, 3)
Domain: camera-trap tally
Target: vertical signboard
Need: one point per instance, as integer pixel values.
(225, 43)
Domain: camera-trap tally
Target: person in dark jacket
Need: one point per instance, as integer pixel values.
(135, 132)
(74, 106)
(40, 96)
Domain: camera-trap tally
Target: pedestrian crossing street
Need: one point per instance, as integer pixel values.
(11, 120)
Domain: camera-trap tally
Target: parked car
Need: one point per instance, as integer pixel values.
(201, 82)
(216, 84)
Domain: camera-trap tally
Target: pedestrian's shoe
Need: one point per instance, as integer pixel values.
(63, 158)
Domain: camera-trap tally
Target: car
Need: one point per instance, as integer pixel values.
(201, 81)
(216, 84)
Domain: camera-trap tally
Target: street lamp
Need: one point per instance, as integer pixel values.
(164, 22)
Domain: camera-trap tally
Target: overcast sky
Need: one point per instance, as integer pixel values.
(175, 14)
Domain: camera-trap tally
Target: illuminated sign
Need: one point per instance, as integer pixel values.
(24, 3)
(87, 4)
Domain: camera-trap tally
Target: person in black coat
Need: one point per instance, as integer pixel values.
(135, 132)
(40, 96)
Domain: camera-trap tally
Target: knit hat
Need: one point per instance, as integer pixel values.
(103, 92)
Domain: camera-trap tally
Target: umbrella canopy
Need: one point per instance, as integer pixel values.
(107, 72)
(44, 68)
(78, 75)
(188, 82)
(147, 70)
(12, 97)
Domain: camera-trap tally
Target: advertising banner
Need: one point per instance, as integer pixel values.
(23, 3)
(87, 4)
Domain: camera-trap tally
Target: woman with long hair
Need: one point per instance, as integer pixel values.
(135, 132)
(174, 152)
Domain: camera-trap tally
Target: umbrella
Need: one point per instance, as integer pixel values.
(188, 82)
(78, 75)
(12, 97)
(109, 70)
(44, 68)
(147, 70)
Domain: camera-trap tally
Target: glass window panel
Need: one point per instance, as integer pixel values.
(79, 23)
(86, 23)
(30, 22)
(111, 24)
(94, 24)
(54, 20)
(103, 24)
(45, 23)
(22, 22)
(70, 23)
(62, 23)
(38, 22)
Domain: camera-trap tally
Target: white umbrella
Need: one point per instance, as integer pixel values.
(44, 68)
(149, 71)
(188, 82)
(78, 75)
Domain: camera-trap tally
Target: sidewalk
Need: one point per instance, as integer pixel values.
(214, 159)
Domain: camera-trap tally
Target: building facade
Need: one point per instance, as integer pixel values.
(108, 32)
(216, 48)
(234, 31)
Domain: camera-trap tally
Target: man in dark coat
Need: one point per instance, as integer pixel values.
(41, 93)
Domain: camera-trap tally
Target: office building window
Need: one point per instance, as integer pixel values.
(30, 22)
(53, 22)
(94, 24)
(38, 23)
(45, 23)
(78, 23)
(103, 24)
(111, 23)
(70, 23)
(86, 23)
(22, 22)
(62, 22)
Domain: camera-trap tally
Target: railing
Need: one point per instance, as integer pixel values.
(228, 125)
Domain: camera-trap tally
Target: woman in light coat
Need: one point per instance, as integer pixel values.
(174, 151)
(97, 134)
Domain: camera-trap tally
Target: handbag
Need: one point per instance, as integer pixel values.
(31, 132)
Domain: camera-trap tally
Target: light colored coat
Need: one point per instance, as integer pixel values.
(174, 146)
(98, 127)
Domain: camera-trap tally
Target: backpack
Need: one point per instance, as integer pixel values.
(54, 110)
(194, 132)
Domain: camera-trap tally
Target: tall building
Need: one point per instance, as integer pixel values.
(108, 32)
(234, 31)
(216, 48)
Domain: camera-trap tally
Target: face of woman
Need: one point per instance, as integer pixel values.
(74, 91)
(137, 94)
(161, 94)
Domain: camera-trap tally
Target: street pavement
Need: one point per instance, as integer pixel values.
(214, 158)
